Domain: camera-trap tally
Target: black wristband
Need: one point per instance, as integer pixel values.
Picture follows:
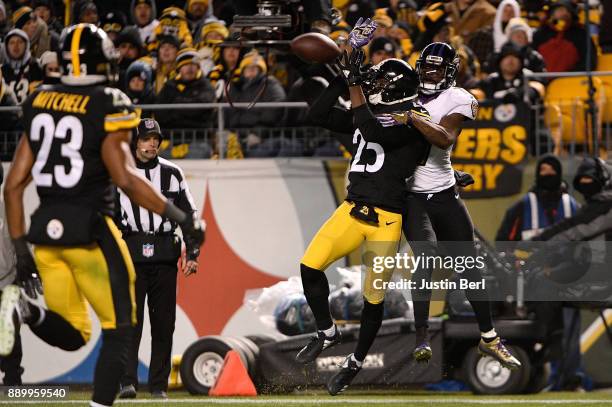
(173, 213)
(21, 246)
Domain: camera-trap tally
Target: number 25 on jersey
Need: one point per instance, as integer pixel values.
(377, 148)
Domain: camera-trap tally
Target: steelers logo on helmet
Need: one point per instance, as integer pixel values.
(437, 68)
(390, 82)
(87, 56)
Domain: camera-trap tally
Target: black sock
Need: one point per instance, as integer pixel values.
(371, 319)
(34, 316)
(56, 331)
(111, 364)
(316, 290)
(421, 297)
(489, 340)
(479, 300)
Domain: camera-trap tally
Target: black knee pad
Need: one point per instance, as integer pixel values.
(57, 331)
(314, 281)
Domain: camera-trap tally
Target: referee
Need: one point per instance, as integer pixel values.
(155, 250)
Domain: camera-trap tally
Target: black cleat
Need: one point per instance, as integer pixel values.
(341, 380)
(127, 392)
(317, 345)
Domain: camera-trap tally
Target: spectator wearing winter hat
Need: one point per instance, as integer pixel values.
(210, 36)
(253, 74)
(130, 49)
(381, 48)
(197, 11)
(519, 33)
(432, 21)
(20, 71)
(139, 84)
(113, 23)
(383, 22)
(166, 60)
(50, 67)
(507, 82)
(507, 10)
(25, 19)
(45, 11)
(144, 15)
(86, 11)
(561, 40)
(172, 22)
(228, 67)
(188, 86)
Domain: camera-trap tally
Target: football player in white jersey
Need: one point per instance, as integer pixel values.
(434, 211)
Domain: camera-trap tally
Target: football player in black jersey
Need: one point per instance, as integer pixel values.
(383, 157)
(77, 140)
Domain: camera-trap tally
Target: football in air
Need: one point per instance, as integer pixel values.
(315, 48)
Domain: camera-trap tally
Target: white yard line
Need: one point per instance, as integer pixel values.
(319, 401)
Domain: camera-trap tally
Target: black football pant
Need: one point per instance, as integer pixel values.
(442, 217)
(10, 365)
(158, 284)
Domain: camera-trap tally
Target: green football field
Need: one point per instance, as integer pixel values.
(352, 399)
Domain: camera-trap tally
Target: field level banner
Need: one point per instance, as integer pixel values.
(493, 149)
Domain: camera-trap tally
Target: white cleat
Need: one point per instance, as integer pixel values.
(9, 318)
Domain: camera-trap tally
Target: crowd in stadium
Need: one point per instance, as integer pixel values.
(172, 52)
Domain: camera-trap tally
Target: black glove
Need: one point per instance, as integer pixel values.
(193, 232)
(351, 67)
(27, 273)
(463, 179)
(191, 226)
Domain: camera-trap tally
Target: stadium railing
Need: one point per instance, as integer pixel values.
(560, 125)
(574, 118)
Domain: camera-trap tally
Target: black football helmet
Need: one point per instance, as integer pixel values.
(389, 82)
(87, 56)
(437, 67)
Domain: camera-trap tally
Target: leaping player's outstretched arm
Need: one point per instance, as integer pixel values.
(120, 165)
(324, 112)
(17, 180)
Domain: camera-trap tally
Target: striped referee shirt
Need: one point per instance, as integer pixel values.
(168, 179)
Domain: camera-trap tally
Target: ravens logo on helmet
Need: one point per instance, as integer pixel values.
(437, 68)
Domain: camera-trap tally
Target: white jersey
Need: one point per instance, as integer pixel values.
(437, 173)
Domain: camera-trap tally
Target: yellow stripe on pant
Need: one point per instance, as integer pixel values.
(101, 274)
(341, 234)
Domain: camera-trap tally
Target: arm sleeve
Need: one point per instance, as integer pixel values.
(323, 113)
(120, 113)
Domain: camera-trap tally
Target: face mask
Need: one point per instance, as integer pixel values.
(589, 190)
(560, 24)
(549, 182)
